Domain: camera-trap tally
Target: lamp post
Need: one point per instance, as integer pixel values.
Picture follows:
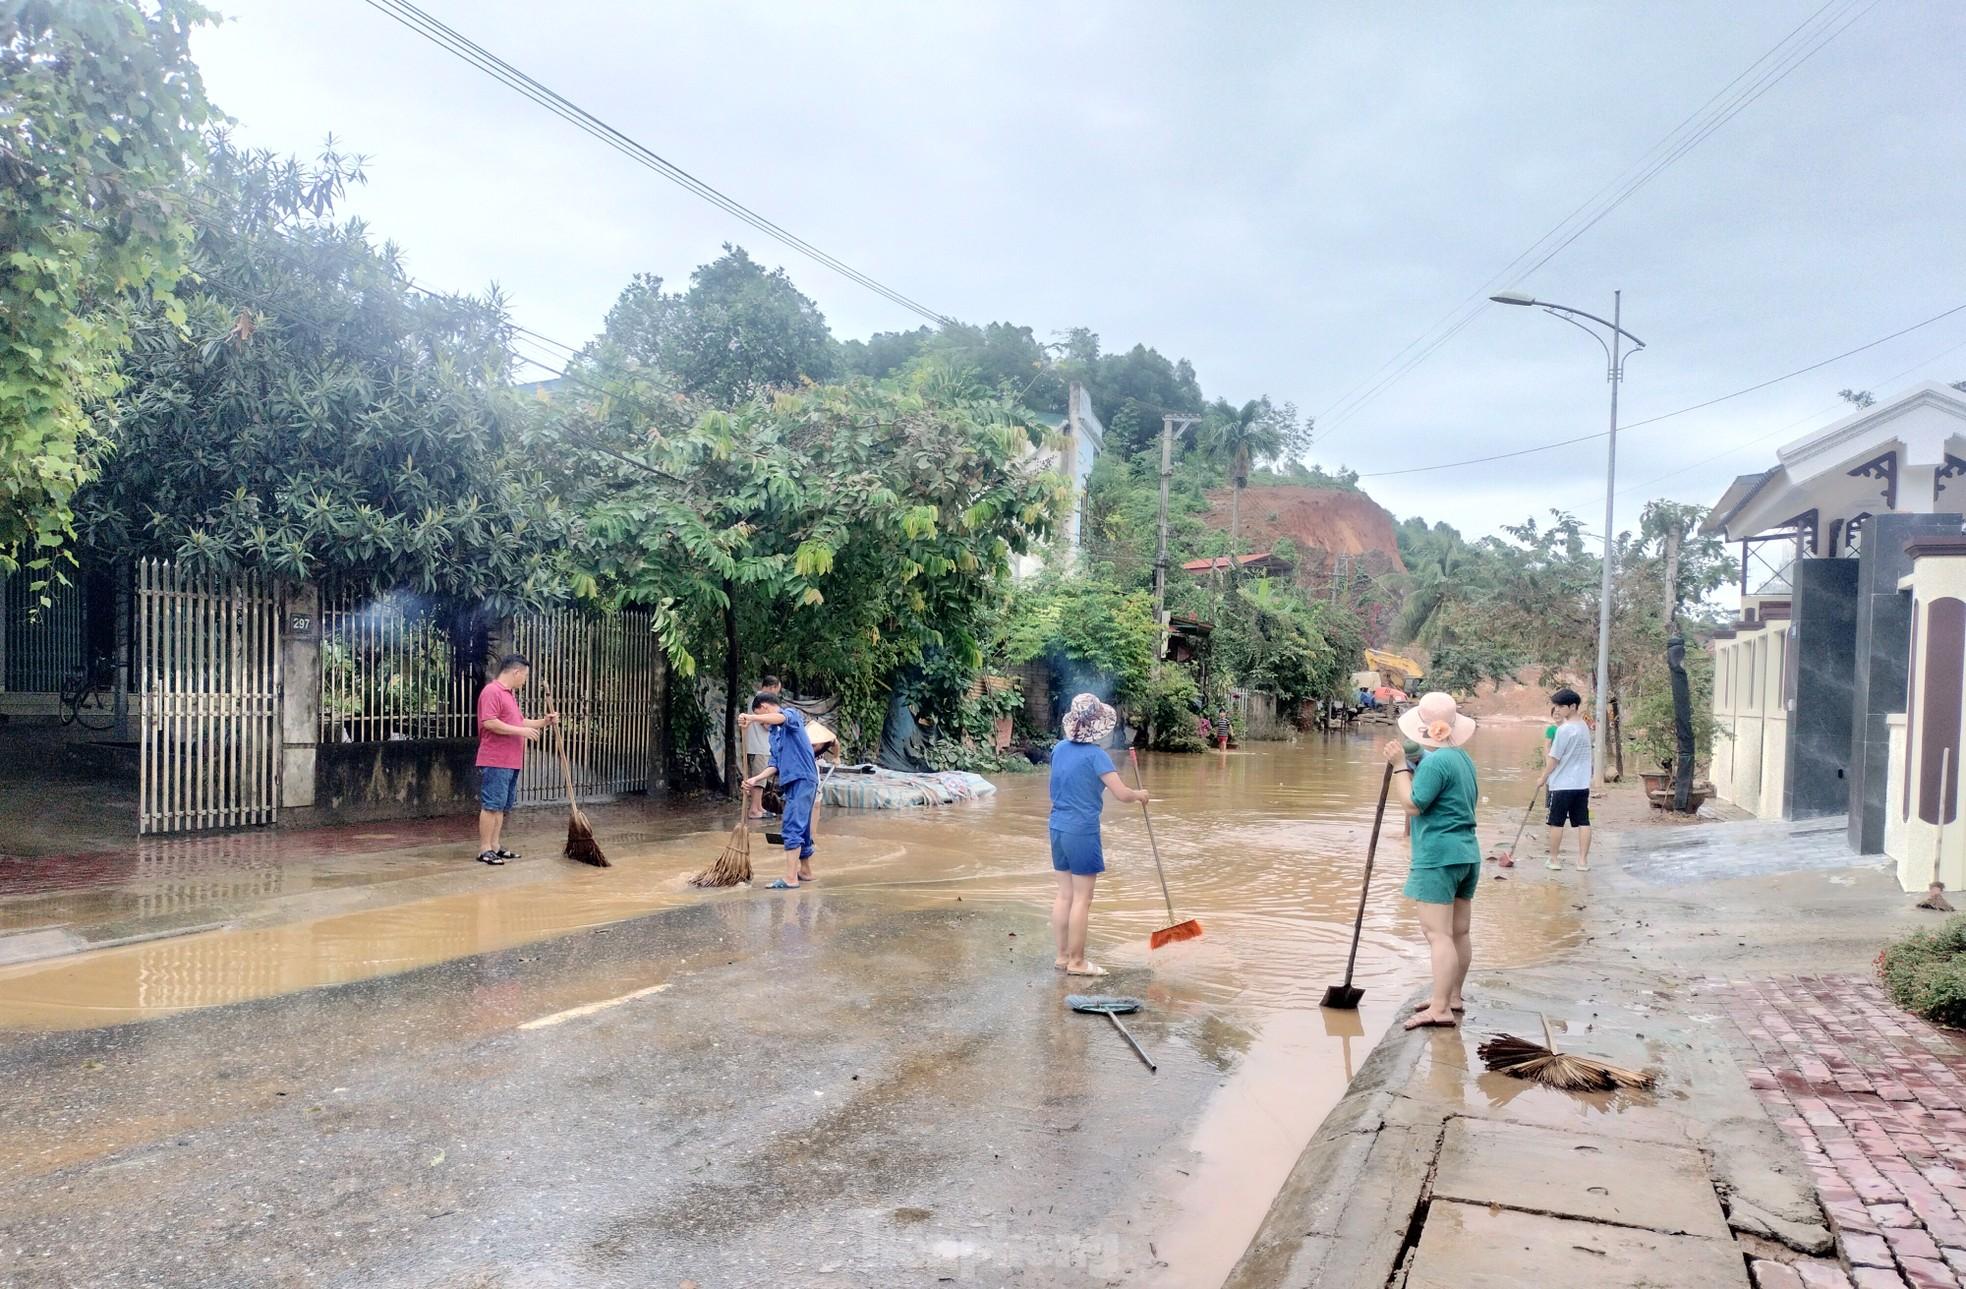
(1615, 373)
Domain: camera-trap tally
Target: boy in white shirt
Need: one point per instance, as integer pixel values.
(1567, 773)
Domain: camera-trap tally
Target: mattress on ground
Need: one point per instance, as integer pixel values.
(894, 790)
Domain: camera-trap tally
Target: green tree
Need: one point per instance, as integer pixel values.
(316, 415)
(1088, 629)
(841, 530)
(1239, 437)
(740, 329)
(100, 112)
(1444, 576)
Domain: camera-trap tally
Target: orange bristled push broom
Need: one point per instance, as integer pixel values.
(1189, 930)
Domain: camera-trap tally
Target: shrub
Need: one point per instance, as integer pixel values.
(1925, 973)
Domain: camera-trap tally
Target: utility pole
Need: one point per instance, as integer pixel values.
(1170, 425)
(1615, 355)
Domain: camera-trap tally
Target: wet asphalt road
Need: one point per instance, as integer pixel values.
(808, 1089)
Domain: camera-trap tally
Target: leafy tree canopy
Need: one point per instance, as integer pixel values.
(852, 527)
(315, 415)
(100, 112)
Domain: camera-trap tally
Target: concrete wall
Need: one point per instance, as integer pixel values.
(1925, 746)
(1747, 693)
(1822, 637)
(1883, 640)
(300, 693)
(405, 779)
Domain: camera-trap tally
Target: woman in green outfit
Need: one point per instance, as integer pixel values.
(1440, 795)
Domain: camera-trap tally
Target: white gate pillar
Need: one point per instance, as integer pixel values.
(300, 698)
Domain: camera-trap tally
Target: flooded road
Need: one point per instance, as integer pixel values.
(1263, 845)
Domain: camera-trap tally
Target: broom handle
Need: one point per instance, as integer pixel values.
(559, 741)
(1939, 842)
(1549, 1040)
(1365, 887)
(1527, 813)
(1137, 1049)
(1152, 845)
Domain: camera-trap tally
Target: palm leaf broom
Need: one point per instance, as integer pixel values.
(733, 866)
(1522, 1059)
(581, 846)
(1189, 930)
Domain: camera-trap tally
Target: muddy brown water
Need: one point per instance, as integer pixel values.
(1264, 845)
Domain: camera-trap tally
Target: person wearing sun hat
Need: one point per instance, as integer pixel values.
(1440, 795)
(1081, 775)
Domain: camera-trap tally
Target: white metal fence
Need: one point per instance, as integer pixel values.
(389, 670)
(603, 675)
(208, 669)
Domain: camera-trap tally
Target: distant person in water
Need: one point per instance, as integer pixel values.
(1567, 772)
(792, 764)
(1440, 795)
(1081, 775)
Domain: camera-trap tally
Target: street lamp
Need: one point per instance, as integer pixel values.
(1615, 374)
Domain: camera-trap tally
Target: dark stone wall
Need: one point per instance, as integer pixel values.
(406, 779)
(1883, 643)
(1822, 640)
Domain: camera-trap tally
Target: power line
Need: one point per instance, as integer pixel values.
(1813, 416)
(453, 42)
(1666, 416)
(1783, 58)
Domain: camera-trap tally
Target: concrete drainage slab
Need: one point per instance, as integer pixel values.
(1474, 1246)
(1631, 1183)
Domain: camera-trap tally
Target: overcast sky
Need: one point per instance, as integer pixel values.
(1286, 194)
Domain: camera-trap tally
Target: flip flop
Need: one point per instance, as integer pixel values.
(506, 854)
(1553, 867)
(1431, 1024)
(490, 857)
(780, 884)
(1091, 969)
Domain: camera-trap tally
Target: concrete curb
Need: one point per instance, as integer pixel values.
(1345, 1213)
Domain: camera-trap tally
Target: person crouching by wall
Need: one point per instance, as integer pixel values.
(1440, 795)
(1081, 775)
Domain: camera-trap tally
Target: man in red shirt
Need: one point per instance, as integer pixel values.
(503, 732)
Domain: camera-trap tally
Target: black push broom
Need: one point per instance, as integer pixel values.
(1344, 997)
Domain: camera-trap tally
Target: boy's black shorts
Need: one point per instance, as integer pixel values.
(1570, 806)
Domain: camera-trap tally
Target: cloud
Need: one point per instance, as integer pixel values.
(1285, 194)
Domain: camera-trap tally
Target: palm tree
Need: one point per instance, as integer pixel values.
(1439, 568)
(1240, 436)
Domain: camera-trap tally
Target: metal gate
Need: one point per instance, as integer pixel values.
(208, 668)
(603, 675)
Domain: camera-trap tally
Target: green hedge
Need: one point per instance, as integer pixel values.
(1926, 973)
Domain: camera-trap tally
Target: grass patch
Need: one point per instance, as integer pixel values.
(1925, 973)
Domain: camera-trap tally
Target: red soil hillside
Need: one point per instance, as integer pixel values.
(1323, 522)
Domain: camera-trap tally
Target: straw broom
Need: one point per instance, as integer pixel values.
(1522, 1059)
(733, 866)
(581, 846)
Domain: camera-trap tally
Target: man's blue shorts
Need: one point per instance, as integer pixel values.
(498, 788)
(1077, 853)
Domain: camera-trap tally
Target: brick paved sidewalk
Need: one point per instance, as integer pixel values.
(1876, 1100)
